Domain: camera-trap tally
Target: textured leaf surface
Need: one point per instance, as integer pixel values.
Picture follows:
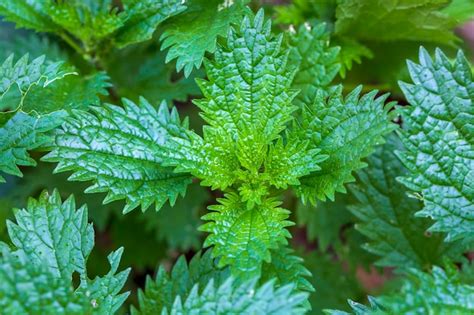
(438, 292)
(243, 237)
(122, 151)
(317, 62)
(241, 299)
(287, 268)
(247, 105)
(20, 134)
(438, 134)
(52, 241)
(143, 16)
(347, 130)
(190, 35)
(387, 217)
(17, 78)
(161, 292)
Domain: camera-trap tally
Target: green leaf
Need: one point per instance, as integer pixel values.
(71, 92)
(251, 68)
(160, 293)
(143, 16)
(29, 14)
(22, 133)
(18, 78)
(123, 151)
(386, 215)
(247, 105)
(345, 129)
(286, 163)
(413, 20)
(243, 237)
(89, 21)
(52, 240)
(438, 135)
(34, 45)
(351, 52)
(146, 74)
(241, 299)
(317, 62)
(287, 268)
(190, 35)
(438, 292)
(435, 293)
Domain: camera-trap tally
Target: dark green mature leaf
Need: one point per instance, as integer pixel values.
(438, 135)
(52, 240)
(162, 292)
(287, 268)
(143, 16)
(395, 20)
(332, 281)
(190, 35)
(71, 92)
(146, 74)
(123, 151)
(387, 217)
(29, 14)
(22, 133)
(347, 130)
(18, 78)
(242, 299)
(438, 292)
(243, 237)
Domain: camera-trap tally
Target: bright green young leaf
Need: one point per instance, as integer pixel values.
(438, 135)
(346, 129)
(143, 16)
(123, 151)
(161, 292)
(52, 240)
(191, 34)
(243, 237)
(89, 21)
(386, 215)
(244, 298)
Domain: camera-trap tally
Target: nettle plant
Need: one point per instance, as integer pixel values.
(278, 132)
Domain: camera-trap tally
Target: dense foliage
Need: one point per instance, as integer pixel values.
(236, 159)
